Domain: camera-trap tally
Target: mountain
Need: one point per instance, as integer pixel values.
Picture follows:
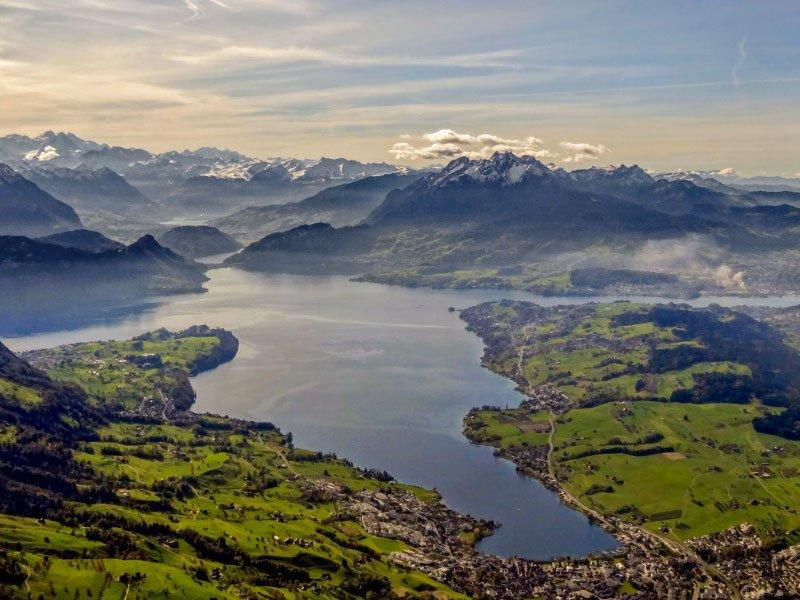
(226, 187)
(732, 179)
(341, 169)
(26, 209)
(340, 206)
(315, 248)
(522, 193)
(89, 190)
(103, 199)
(207, 181)
(83, 239)
(494, 211)
(513, 221)
(116, 158)
(50, 147)
(196, 241)
(144, 267)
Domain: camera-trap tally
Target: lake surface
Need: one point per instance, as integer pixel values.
(380, 375)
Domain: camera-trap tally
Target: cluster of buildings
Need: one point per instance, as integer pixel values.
(440, 544)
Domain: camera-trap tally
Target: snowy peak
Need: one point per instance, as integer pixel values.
(633, 176)
(332, 169)
(502, 168)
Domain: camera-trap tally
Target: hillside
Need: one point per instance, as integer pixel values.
(197, 241)
(144, 498)
(91, 190)
(144, 267)
(340, 206)
(314, 249)
(83, 239)
(26, 209)
(643, 413)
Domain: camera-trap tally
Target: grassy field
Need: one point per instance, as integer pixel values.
(681, 468)
(718, 473)
(594, 357)
(510, 427)
(109, 373)
(195, 508)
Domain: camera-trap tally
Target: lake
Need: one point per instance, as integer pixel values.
(380, 375)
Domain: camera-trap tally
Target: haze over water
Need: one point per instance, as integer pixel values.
(380, 375)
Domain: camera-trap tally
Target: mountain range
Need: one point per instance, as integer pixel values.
(507, 220)
(340, 206)
(83, 239)
(485, 216)
(110, 181)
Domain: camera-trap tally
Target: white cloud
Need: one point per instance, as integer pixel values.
(725, 277)
(725, 171)
(448, 136)
(197, 12)
(447, 143)
(582, 151)
(233, 53)
(286, 54)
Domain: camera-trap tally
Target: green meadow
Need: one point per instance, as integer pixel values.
(197, 508)
(624, 446)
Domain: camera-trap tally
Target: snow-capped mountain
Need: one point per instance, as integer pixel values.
(501, 168)
(207, 181)
(68, 150)
(731, 178)
(342, 169)
(632, 176)
(49, 146)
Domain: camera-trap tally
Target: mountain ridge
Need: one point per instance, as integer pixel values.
(28, 209)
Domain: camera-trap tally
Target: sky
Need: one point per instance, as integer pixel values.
(668, 85)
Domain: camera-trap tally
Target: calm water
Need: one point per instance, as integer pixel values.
(380, 375)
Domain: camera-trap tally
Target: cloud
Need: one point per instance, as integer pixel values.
(582, 151)
(287, 54)
(406, 151)
(739, 61)
(448, 136)
(725, 277)
(233, 53)
(194, 8)
(447, 143)
(725, 171)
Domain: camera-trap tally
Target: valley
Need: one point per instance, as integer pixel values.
(628, 419)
